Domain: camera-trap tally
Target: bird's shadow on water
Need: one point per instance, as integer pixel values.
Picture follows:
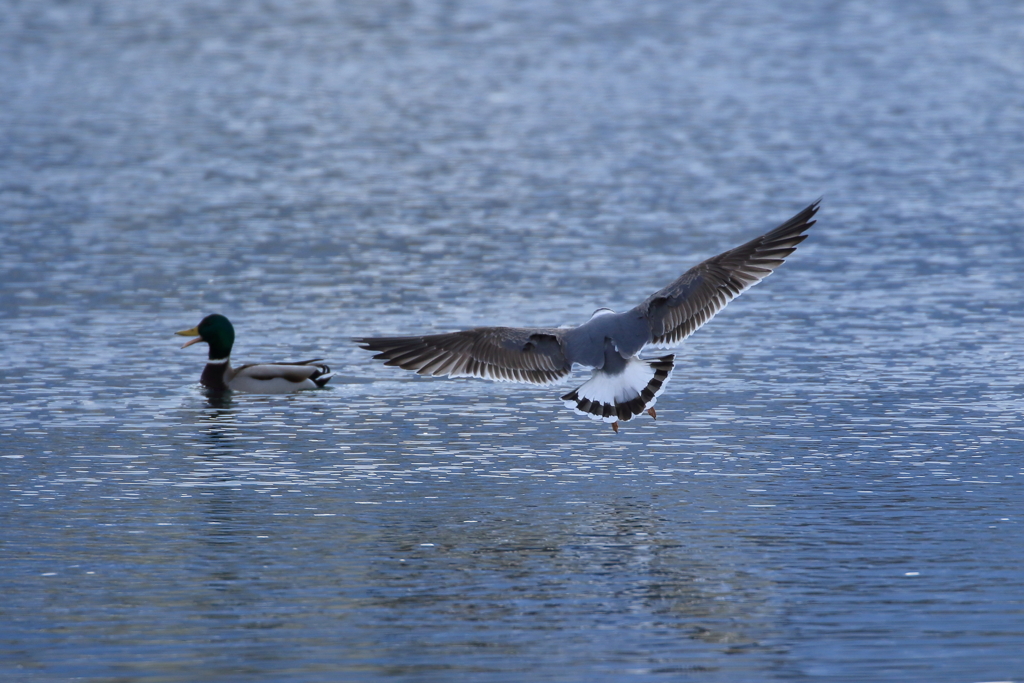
(626, 558)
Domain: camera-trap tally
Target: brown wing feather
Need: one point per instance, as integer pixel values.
(679, 310)
(498, 353)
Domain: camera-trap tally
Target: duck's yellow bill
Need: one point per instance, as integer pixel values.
(194, 332)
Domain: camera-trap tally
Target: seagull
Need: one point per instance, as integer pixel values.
(622, 385)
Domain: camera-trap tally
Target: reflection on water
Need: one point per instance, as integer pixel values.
(831, 488)
(219, 400)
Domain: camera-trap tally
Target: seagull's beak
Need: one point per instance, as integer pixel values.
(194, 332)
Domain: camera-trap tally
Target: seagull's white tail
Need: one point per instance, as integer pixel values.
(611, 398)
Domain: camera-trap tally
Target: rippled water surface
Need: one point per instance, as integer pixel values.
(832, 489)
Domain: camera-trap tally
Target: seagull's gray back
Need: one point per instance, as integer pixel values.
(585, 344)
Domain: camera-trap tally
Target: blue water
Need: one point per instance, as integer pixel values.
(832, 489)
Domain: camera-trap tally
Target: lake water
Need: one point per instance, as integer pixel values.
(832, 489)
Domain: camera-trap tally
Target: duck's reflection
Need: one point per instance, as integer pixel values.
(228, 549)
(219, 400)
(217, 426)
(217, 446)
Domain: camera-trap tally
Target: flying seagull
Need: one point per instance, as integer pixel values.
(622, 384)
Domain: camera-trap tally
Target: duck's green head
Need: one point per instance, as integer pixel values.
(215, 330)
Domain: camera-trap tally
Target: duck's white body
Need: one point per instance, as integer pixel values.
(266, 378)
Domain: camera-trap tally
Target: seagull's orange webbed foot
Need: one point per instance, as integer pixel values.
(615, 427)
(650, 411)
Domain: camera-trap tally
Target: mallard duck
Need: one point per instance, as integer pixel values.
(622, 385)
(262, 378)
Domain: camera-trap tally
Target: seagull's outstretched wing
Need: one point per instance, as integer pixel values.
(679, 310)
(506, 354)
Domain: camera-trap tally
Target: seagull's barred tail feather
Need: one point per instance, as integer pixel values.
(613, 398)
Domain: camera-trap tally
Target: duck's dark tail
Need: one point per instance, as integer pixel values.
(321, 376)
